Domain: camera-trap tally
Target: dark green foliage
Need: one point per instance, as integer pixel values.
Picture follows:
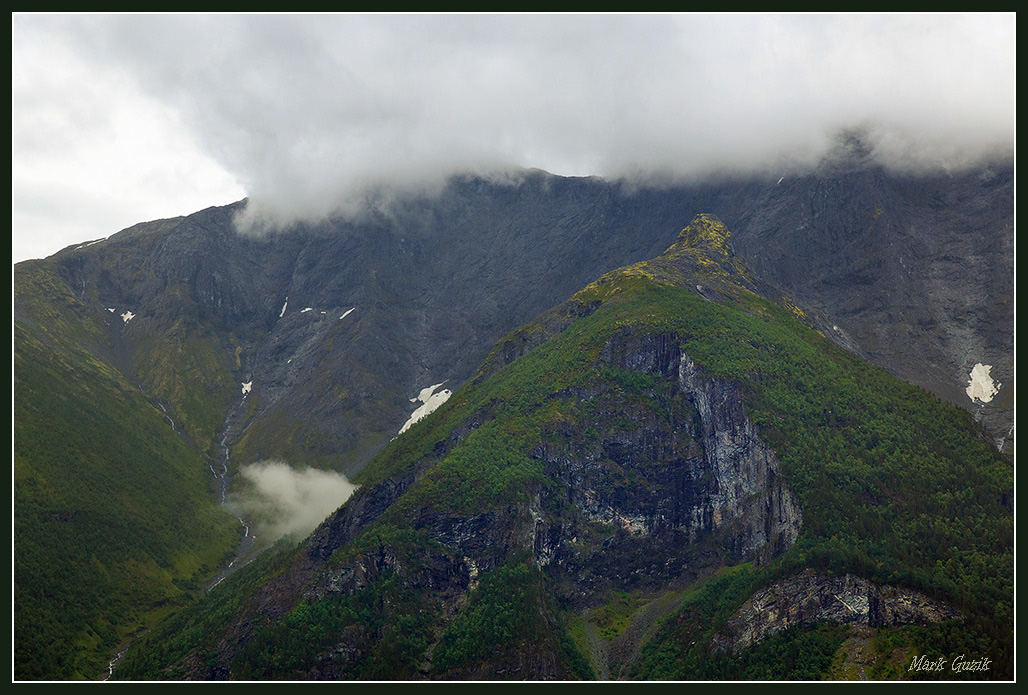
(195, 629)
(802, 654)
(392, 623)
(114, 521)
(670, 656)
(502, 615)
(794, 654)
(491, 468)
(954, 641)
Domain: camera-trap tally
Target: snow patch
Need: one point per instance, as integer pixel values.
(110, 309)
(247, 386)
(980, 387)
(90, 243)
(430, 400)
(127, 316)
(427, 392)
(305, 310)
(283, 313)
(347, 313)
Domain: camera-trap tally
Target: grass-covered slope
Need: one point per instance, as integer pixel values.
(115, 523)
(527, 529)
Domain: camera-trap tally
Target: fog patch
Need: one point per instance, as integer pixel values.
(284, 501)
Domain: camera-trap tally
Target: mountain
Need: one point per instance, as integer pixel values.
(914, 273)
(115, 518)
(672, 474)
(200, 349)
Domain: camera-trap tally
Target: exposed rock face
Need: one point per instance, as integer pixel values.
(726, 480)
(915, 273)
(748, 494)
(811, 597)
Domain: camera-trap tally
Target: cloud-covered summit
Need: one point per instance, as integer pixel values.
(311, 114)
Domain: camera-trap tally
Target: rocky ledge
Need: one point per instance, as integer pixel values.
(811, 597)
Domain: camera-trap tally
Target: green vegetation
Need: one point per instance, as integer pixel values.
(894, 486)
(503, 614)
(182, 367)
(196, 628)
(286, 649)
(614, 616)
(114, 521)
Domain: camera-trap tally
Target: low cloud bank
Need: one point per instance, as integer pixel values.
(315, 116)
(284, 501)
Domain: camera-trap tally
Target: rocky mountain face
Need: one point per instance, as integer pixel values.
(810, 597)
(914, 273)
(311, 344)
(610, 461)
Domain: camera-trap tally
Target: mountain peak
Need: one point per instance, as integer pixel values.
(703, 256)
(705, 231)
(701, 259)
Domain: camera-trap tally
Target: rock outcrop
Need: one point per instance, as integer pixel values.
(726, 481)
(811, 597)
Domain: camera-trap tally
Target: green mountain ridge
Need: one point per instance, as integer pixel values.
(620, 477)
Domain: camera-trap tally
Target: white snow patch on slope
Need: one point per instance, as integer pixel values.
(305, 310)
(90, 243)
(127, 316)
(247, 386)
(430, 400)
(283, 313)
(980, 386)
(347, 313)
(427, 392)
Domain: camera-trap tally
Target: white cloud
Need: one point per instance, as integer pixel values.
(312, 114)
(283, 501)
(93, 154)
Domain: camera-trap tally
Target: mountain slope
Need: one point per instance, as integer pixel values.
(307, 345)
(114, 518)
(913, 272)
(673, 436)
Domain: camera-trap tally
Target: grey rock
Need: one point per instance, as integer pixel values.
(811, 597)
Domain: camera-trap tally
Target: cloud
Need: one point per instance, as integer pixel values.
(315, 114)
(284, 501)
(92, 153)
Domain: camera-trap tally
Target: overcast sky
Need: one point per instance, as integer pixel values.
(122, 119)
